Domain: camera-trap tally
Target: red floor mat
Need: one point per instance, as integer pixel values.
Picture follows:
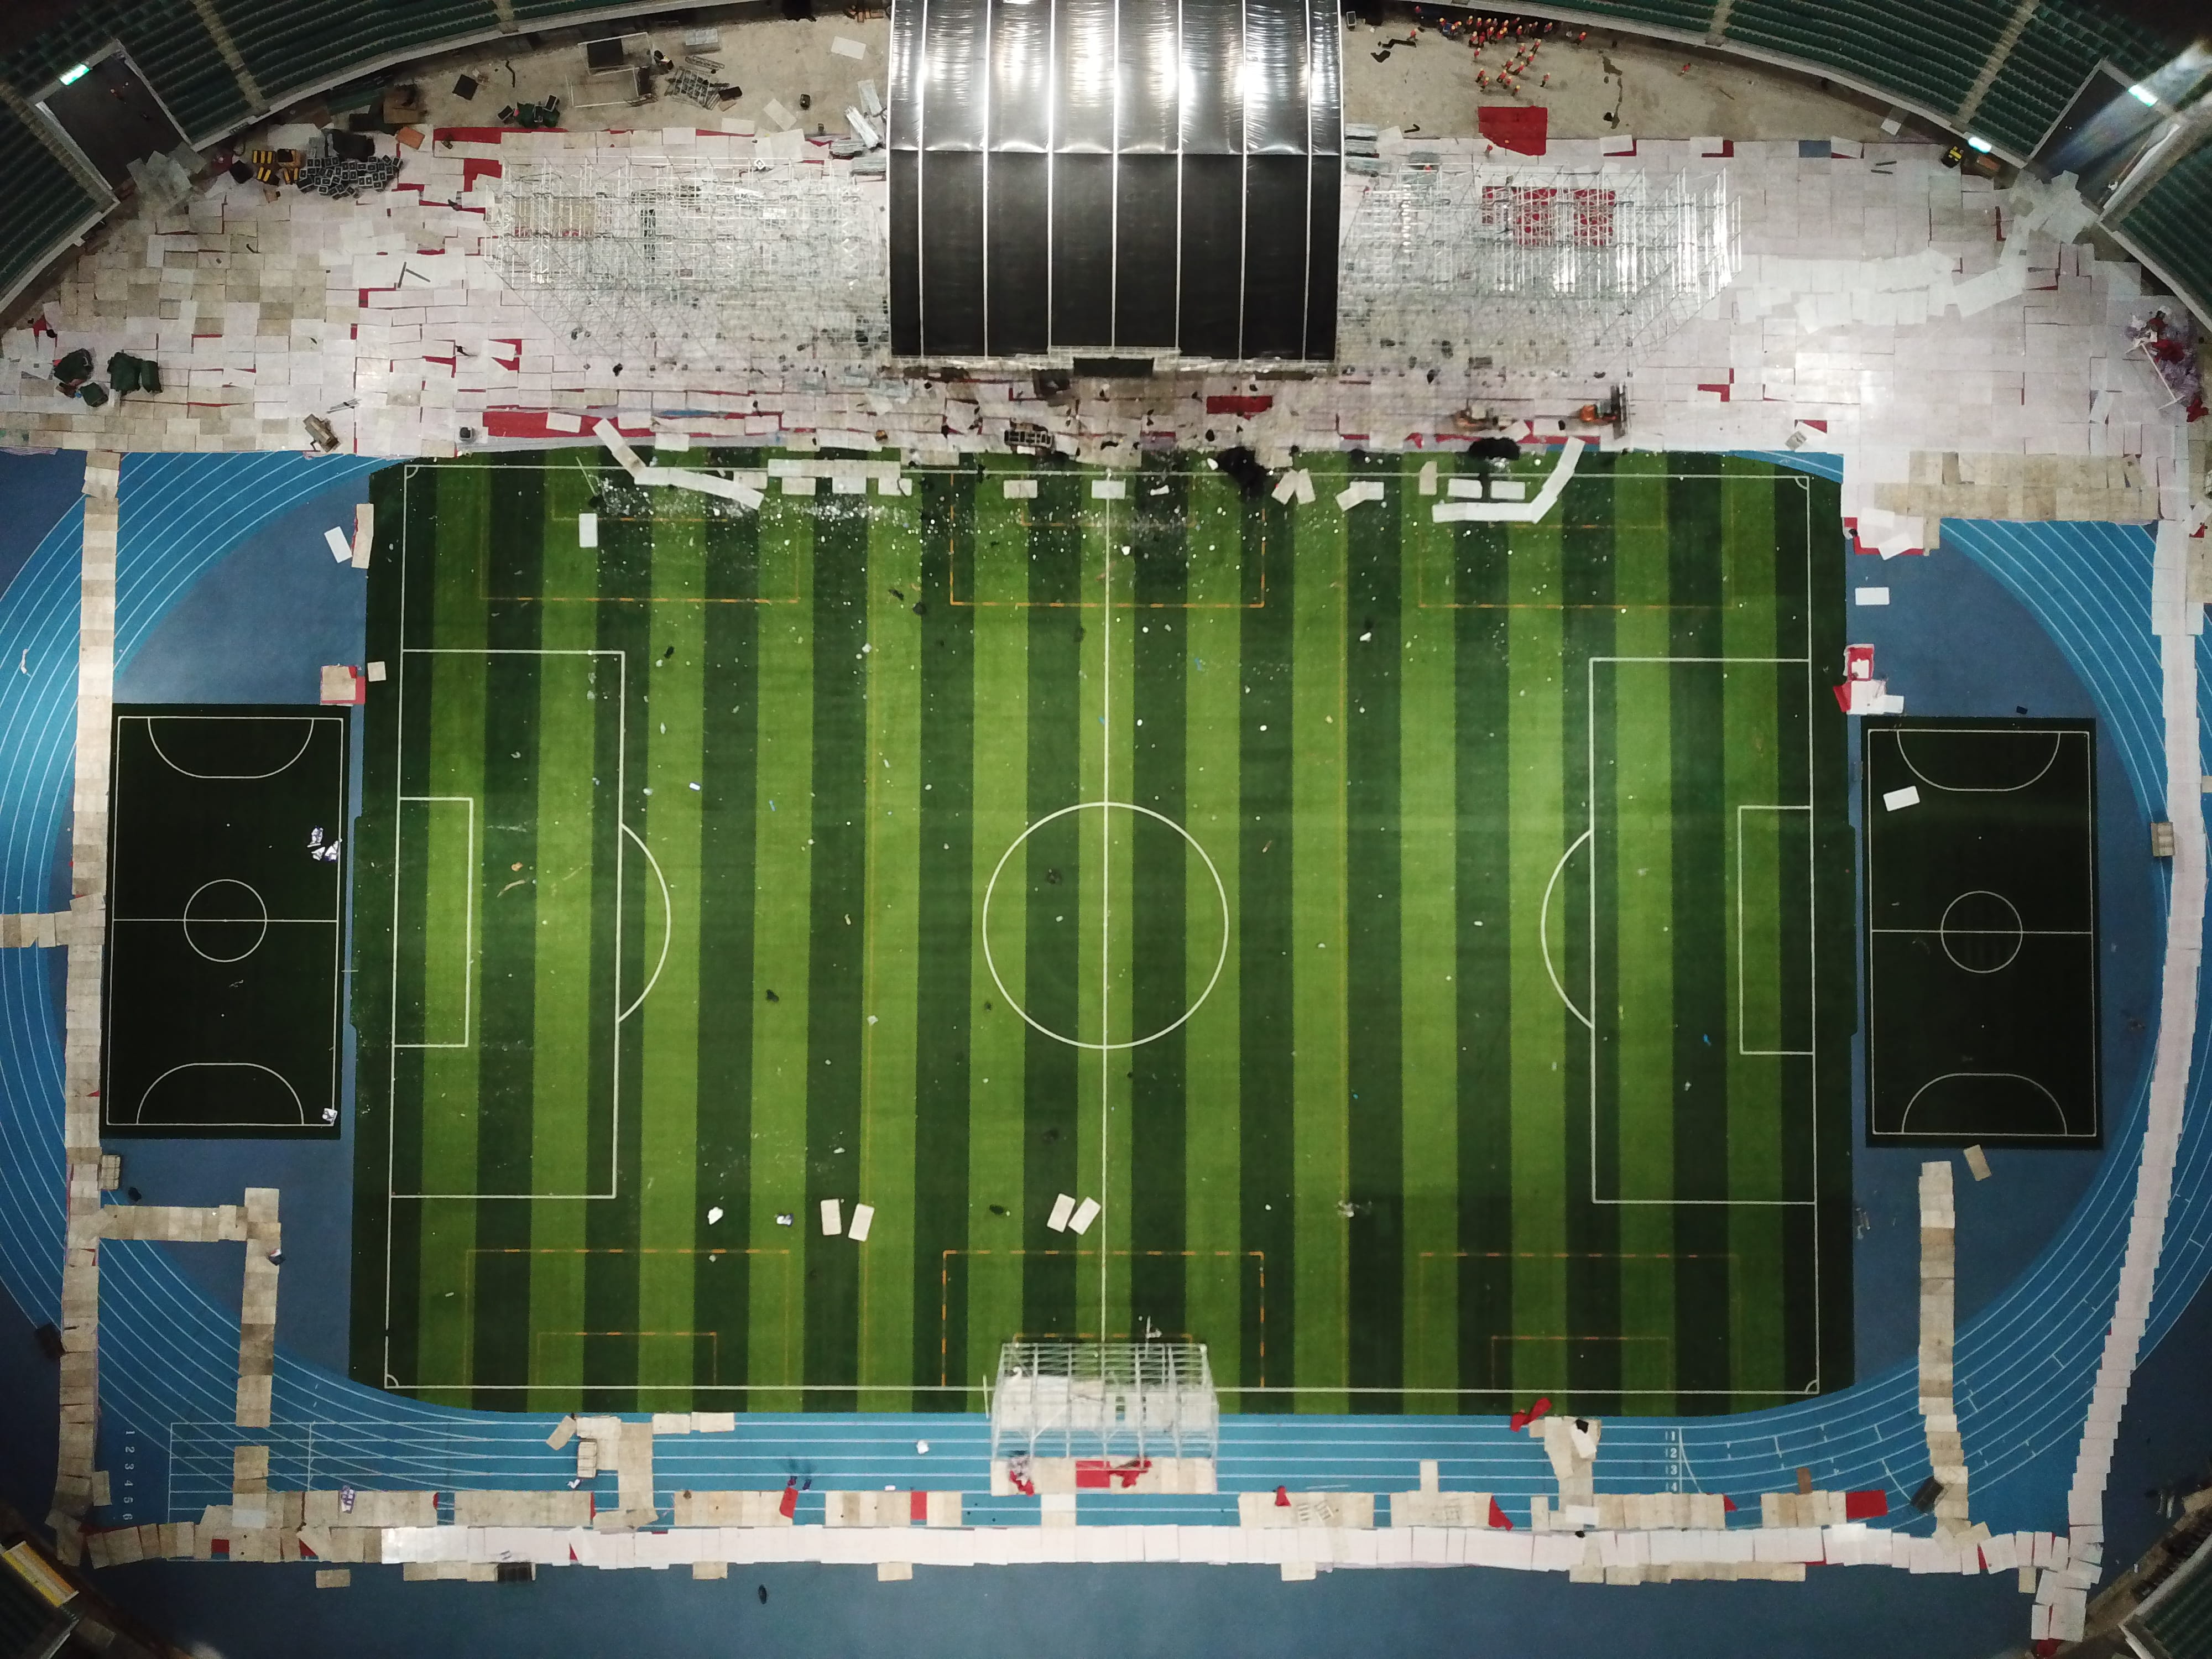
(1509, 126)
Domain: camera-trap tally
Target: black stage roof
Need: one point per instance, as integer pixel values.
(1080, 175)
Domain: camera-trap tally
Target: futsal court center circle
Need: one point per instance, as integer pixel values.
(1986, 938)
(218, 927)
(1220, 893)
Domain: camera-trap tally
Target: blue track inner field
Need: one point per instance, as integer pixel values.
(169, 1338)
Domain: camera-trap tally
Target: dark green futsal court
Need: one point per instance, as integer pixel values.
(1981, 932)
(1431, 943)
(226, 925)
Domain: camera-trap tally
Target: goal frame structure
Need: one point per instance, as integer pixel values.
(1116, 1401)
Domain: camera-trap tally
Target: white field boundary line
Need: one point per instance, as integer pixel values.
(392, 1069)
(2176, 624)
(1813, 949)
(468, 925)
(1895, 735)
(333, 1095)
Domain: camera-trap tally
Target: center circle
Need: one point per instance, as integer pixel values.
(1981, 932)
(225, 921)
(1220, 893)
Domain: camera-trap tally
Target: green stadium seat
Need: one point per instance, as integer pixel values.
(165, 39)
(2168, 225)
(49, 51)
(289, 48)
(45, 204)
(2055, 54)
(178, 58)
(1924, 55)
(1690, 16)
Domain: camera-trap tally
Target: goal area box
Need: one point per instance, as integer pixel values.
(1981, 932)
(226, 921)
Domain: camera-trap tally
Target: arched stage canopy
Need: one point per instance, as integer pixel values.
(1146, 177)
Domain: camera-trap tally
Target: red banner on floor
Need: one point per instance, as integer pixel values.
(1510, 126)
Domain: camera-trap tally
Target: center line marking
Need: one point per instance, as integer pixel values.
(1105, 900)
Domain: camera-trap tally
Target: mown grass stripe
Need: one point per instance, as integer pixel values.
(1369, 647)
(394, 1347)
(446, 695)
(1267, 1146)
(1535, 719)
(1762, 1088)
(576, 819)
(776, 1306)
(1593, 1278)
(611, 1262)
(1634, 850)
(1704, 1283)
(666, 1025)
(516, 684)
(1162, 901)
(1428, 912)
(1220, 1265)
(1104, 1142)
(837, 957)
(1320, 1109)
(994, 581)
(894, 968)
(1484, 854)
(946, 922)
(1057, 892)
(729, 803)
(376, 986)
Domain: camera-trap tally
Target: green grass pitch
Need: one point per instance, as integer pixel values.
(1431, 943)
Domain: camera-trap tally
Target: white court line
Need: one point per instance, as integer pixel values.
(270, 922)
(2007, 932)
(308, 720)
(1544, 931)
(2058, 742)
(667, 924)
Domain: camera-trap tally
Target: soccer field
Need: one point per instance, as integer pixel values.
(1429, 943)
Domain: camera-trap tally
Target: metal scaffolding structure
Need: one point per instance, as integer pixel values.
(1112, 1399)
(697, 259)
(1455, 262)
